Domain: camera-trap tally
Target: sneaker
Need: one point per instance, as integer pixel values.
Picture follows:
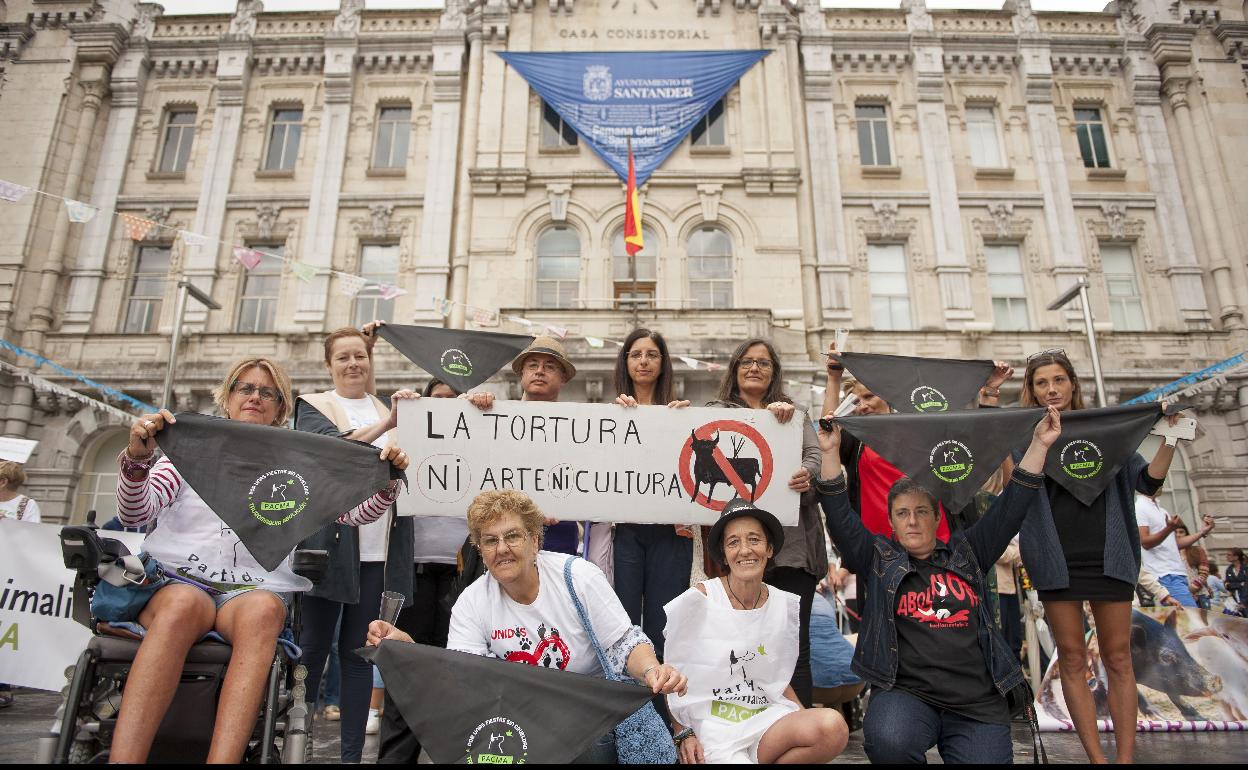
(331, 713)
(373, 725)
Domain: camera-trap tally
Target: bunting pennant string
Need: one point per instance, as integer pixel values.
(79, 212)
(103, 389)
(248, 258)
(302, 270)
(136, 227)
(390, 292)
(350, 285)
(12, 192)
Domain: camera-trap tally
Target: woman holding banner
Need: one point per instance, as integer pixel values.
(1076, 553)
(755, 380)
(652, 561)
(361, 566)
(248, 615)
(942, 673)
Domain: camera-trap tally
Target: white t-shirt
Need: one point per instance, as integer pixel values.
(548, 632)
(1164, 558)
(8, 509)
(362, 412)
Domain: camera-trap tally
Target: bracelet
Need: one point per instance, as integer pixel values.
(649, 669)
(679, 737)
(991, 392)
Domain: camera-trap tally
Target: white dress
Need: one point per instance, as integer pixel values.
(739, 663)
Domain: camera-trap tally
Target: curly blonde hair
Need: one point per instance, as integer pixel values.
(488, 507)
(280, 378)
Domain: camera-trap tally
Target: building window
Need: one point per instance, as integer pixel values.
(378, 264)
(1090, 130)
(621, 269)
(179, 134)
(555, 132)
(147, 289)
(1005, 284)
(558, 267)
(394, 126)
(1176, 496)
(1126, 308)
(890, 296)
(97, 483)
(710, 131)
(873, 134)
(981, 130)
(284, 133)
(257, 307)
(710, 268)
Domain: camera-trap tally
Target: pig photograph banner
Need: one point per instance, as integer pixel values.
(599, 462)
(1191, 671)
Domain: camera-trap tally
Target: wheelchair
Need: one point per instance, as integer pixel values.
(83, 727)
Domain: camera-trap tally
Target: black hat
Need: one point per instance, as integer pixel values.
(735, 509)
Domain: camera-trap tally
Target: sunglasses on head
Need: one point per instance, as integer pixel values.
(1055, 352)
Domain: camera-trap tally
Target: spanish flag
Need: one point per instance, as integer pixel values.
(633, 240)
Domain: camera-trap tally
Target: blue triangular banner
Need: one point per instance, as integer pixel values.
(654, 97)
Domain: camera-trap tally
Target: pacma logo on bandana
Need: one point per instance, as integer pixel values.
(497, 741)
(277, 497)
(925, 398)
(951, 461)
(455, 361)
(1081, 459)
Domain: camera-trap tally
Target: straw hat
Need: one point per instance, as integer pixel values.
(550, 346)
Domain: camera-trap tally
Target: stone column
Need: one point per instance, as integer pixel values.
(468, 159)
(331, 156)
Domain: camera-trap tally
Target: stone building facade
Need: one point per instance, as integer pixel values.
(928, 179)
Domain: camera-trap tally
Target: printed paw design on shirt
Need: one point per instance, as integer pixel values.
(550, 652)
(946, 603)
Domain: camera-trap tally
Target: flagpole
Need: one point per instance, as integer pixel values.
(632, 258)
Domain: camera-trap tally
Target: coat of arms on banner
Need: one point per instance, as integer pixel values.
(597, 83)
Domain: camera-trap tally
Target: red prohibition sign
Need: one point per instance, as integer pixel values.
(730, 473)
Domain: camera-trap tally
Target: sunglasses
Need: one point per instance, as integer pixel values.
(1055, 352)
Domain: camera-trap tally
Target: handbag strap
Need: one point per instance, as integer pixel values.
(588, 626)
(21, 507)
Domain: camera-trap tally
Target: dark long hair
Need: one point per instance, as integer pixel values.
(433, 385)
(663, 385)
(1028, 397)
(728, 391)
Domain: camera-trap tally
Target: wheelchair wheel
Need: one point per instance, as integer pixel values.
(87, 751)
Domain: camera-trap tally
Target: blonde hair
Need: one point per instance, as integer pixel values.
(275, 370)
(13, 473)
(488, 507)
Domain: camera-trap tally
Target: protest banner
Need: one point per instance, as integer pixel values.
(38, 636)
(1191, 671)
(16, 450)
(600, 462)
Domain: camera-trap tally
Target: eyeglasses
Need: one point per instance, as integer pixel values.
(247, 390)
(763, 364)
(533, 365)
(649, 355)
(1049, 352)
(513, 539)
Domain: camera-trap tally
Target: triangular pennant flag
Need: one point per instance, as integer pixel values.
(193, 240)
(137, 228)
(460, 358)
(520, 320)
(249, 258)
(1094, 445)
(272, 486)
(473, 709)
(653, 97)
(79, 212)
(594, 342)
(12, 192)
(952, 455)
(350, 285)
(692, 363)
(390, 292)
(444, 306)
(557, 331)
(714, 367)
(302, 270)
(919, 384)
(485, 318)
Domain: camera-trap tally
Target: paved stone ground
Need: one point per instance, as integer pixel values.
(24, 723)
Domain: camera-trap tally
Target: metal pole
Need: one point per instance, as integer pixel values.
(1101, 399)
(179, 311)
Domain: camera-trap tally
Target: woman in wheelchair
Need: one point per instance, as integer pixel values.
(234, 596)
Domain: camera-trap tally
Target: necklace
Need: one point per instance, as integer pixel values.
(733, 594)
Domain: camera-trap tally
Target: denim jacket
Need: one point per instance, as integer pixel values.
(881, 563)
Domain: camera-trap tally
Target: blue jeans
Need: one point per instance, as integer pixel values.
(1178, 588)
(899, 729)
(652, 566)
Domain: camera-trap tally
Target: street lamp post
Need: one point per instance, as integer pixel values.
(185, 288)
(1080, 290)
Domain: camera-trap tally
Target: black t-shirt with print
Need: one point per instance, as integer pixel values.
(939, 657)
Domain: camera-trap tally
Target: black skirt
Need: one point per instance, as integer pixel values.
(1090, 584)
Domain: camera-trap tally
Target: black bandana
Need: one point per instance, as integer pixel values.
(461, 359)
(952, 455)
(272, 486)
(923, 385)
(478, 710)
(1094, 445)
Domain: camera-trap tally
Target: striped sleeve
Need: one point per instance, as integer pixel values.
(371, 509)
(143, 492)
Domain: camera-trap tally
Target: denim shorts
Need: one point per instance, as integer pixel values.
(220, 599)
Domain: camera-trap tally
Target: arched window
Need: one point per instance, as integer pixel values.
(558, 267)
(647, 269)
(710, 268)
(97, 484)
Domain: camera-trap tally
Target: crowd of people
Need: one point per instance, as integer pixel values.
(936, 600)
